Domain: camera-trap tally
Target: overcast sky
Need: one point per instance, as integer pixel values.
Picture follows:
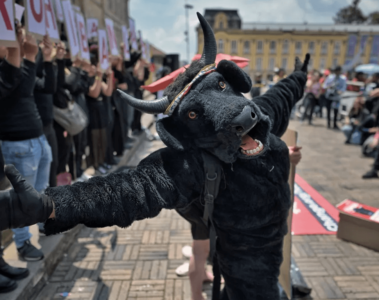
(163, 22)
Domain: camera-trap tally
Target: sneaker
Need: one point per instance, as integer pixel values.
(29, 253)
(12, 272)
(7, 285)
(370, 174)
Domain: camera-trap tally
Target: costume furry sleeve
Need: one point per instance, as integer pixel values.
(162, 180)
(278, 102)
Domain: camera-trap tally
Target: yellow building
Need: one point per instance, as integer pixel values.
(273, 45)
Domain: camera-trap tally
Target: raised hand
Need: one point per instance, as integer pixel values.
(299, 66)
(30, 48)
(47, 48)
(61, 50)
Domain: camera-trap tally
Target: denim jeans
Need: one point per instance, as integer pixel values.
(32, 159)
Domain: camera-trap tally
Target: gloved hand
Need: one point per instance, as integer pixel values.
(299, 66)
(23, 205)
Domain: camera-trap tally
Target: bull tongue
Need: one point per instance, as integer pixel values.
(248, 143)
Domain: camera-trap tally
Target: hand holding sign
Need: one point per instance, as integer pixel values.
(30, 47)
(61, 50)
(47, 48)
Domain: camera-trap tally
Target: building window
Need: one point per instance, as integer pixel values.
(259, 47)
(272, 47)
(271, 64)
(322, 63)
(335, 62)
(221, 25)
(324, 48)
(234, 47)
(285, 47)
(284, 63)
(311, 47)
(337, 48)
(220, 46)
(246, 47)
(298, 47)
(258, 64)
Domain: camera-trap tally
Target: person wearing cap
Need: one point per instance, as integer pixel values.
(335, 85)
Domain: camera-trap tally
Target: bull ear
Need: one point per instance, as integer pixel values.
(169, 133)
(235, 75)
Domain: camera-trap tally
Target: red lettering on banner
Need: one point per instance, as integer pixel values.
(37, 17)
(83, 36)
(94, 27)
(49, 9)
(72, 28)
(105, 52)
(4, 13)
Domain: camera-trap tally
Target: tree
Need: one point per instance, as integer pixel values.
(351, 14)
(373, 18)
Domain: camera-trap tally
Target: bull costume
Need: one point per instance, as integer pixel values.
(207, 113)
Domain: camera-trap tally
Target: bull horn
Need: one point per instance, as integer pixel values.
(151, 107)
(210, 47)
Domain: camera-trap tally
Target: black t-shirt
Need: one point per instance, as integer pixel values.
(19, 117)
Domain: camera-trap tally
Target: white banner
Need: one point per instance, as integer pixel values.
(83, 42)
(71, 29)
(125, 39)
(35, 17)
(7, 36)
(141, 42)
(19, 12)
(59, 11)
(133, 35)
(92, 27)
(51, 21)
(111, 37)
(103, 50)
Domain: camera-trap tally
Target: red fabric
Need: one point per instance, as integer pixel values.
(304, 221)
(164, 82)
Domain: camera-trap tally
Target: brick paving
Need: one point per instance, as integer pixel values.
(139, 262)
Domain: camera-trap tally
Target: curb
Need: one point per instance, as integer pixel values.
(54, 248)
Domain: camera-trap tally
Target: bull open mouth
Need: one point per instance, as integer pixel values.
(254, 143)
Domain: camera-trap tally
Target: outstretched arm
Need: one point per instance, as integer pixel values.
(163, 180)
(277, 103)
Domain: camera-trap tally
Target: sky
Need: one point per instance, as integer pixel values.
(163, 22)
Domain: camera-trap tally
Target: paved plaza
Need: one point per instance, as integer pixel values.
(139, 262)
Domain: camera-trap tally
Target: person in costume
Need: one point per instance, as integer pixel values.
(208, 116)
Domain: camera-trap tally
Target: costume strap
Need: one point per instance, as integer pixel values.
(204, 71)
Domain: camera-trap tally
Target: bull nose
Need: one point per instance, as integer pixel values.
(244, 122)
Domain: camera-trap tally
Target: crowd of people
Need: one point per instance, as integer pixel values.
(327, 90)
(36, 82)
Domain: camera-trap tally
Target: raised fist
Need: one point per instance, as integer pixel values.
(30, 47)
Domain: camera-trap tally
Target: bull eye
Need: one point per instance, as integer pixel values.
(192, 115)
(222, 84)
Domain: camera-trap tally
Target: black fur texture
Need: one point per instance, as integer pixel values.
(251, 210)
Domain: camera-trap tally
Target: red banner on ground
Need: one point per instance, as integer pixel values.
(312, 213)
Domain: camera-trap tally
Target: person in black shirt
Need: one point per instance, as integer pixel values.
(23, 142)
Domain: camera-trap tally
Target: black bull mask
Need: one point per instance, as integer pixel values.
(213, 115)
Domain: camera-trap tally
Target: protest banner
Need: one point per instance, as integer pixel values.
(7, 26)
(111, 37)
(133, 35)
(103, 50)
(35, 18)
(92, 28)
(19, 12)
(83, 42)
(142, 44)
(125, 39)
(71, 31)
(51, 22)
(58, 10)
